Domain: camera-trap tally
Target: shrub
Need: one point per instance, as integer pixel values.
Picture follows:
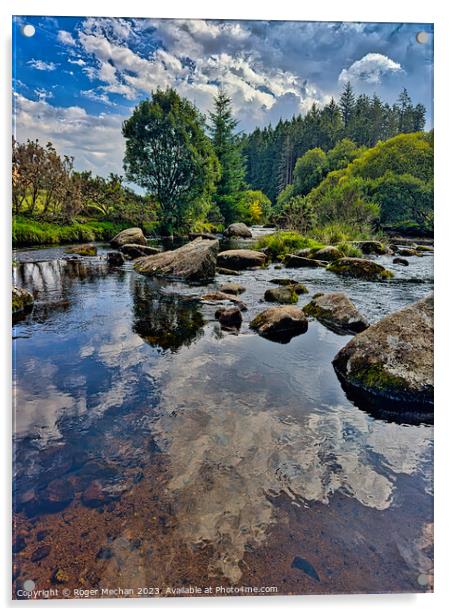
(286, 242)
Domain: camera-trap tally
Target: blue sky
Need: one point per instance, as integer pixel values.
(77, 79)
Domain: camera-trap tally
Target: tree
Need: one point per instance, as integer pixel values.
(169, 155)
(254, 207)
(342, 154)
(309, 171)
(347, 104)
(227, 148)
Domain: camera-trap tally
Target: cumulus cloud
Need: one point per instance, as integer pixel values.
(95, 96)
(95, 141)
(78, 61)
(196, 57)
(43, 94)
(66, 38)
(370, 69)
(40, 65)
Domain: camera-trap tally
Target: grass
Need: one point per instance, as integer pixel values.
(280, 244)
(29, 232)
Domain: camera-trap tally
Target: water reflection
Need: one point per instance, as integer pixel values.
(167, 321)
(231, 447)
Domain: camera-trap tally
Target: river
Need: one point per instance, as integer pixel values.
(154, 450)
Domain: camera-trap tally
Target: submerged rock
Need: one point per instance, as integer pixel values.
(56, 496)
(137, 250)
(230, 318)
(305, 566)
(392, 360)
(227, 272)
(195, 261)
(360, 268)
(241, 259)
(337, 312)
(281, 295)
(219, 296)
(280, 323)
(400, 261)
(328, 253)
(134, 235)
(84, 250)
(238, 229)
(115, 258)
(22, 300)
(298, 261)
(232, 288)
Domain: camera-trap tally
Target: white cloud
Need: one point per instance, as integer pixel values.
(95, 96)
(197, 58)
(95, 141)
(40, 65)
(43, 94)
(370, 69)
(66, 38)
(78, 62)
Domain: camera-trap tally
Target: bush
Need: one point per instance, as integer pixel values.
(286, 242)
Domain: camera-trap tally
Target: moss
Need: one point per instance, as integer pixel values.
(350, 250)
(367, 270)
(280, 244)
(375, 377)
(86, 250)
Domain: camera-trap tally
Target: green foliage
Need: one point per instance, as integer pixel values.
(342, 154)
(309, 171)
(339, 233)
(169, 154)
(402, 154)
(285, 242)
(271, 152)
(253, 207)
(227, 148)
(29, 232)
(404, 199)
(295, 213)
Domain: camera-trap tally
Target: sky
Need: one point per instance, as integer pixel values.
(78, 78)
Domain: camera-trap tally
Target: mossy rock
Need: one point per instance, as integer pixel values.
(84, 250)
(337, 312)
(281, 295)
(392, 360)
(329, 253)
(22, 300)
(360, 268)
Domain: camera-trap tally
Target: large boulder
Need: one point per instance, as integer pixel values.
(84, 250)
(280, 323)
(238, 229)
(360, 268)
(281, 295)
(134, 235)
(328, 253)
(241, 259)
(298, 261)
(133, 251)
(22, 300)
(195, 261)
(392, 360)
(337, 312)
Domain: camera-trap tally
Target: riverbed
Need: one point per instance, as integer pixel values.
(184, 455)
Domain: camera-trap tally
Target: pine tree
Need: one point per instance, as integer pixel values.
(347, 104)
(226, 144)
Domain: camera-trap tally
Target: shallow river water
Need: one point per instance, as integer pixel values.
(153, 450)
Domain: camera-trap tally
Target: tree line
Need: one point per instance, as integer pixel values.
(200, 173)
(271, 153)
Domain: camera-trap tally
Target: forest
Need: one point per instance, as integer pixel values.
(355, 168)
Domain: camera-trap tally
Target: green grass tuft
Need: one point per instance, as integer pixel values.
(286, 242)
